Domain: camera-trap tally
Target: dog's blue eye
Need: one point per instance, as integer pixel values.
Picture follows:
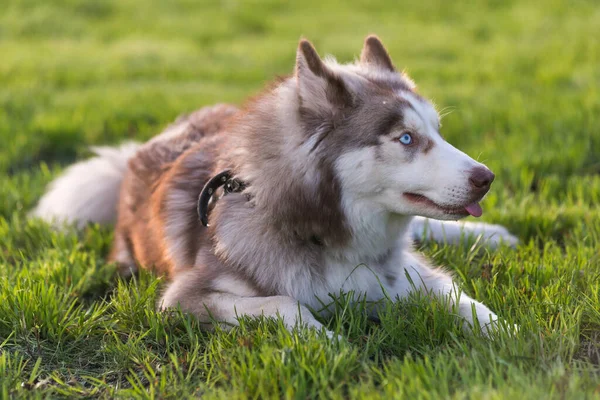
(406, 139)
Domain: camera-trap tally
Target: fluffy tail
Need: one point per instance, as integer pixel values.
(87, 191)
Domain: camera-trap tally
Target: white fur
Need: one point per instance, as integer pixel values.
(87, 191)
(451, 232)
(287, 308)
(231, 284)
(236, 300)
(436, 282)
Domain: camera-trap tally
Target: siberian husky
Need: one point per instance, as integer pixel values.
(268, 209)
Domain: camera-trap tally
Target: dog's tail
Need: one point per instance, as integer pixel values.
(87, 191)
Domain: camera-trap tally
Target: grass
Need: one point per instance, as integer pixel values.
(521, 80)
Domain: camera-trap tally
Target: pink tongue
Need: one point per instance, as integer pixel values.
(474, 209)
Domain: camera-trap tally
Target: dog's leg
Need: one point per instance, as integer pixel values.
(121, 254)
(452, 232)
(418, 275)
(209, 304)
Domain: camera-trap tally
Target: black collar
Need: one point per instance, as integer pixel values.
(223, 178)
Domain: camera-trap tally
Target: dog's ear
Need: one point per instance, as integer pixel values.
(319, 87)
(375, 54)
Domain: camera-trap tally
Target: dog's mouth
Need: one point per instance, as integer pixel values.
(473, 209)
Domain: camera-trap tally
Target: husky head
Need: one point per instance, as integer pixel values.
(383, 138)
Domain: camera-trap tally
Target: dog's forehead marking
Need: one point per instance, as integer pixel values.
(423, 109)
(413, 118)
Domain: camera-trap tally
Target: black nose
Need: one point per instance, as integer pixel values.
(481, 178)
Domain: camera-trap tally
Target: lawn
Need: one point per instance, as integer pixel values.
(519, 82)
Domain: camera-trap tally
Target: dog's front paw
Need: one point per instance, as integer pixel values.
(317, 329)
(496, 235)
(333, 336)
(493, 328)
(479, 319)
(453, 232)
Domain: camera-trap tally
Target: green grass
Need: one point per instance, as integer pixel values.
(522, 81)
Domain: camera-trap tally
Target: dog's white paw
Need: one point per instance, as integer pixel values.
(453, 232)
(493, 327)
(318, 329)
(332, 336)
(479, 319)
(496, 235)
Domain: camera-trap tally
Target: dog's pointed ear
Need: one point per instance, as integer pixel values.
(318, 86)
(375, 54)
(308, 60)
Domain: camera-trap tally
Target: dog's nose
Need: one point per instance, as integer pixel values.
(481, 178)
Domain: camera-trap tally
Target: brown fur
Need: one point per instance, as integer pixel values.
(157, 168)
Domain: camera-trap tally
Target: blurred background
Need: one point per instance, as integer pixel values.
(518, 81)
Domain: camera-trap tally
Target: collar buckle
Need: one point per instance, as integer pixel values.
(223, 178)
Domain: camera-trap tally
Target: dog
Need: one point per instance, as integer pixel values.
(269, 209)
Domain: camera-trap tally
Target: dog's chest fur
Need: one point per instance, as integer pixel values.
(369, 265)
(369, 262)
